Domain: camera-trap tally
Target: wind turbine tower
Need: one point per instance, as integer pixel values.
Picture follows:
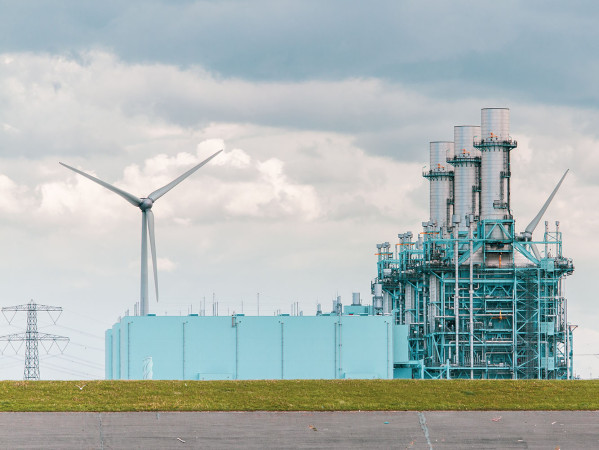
(147, 224)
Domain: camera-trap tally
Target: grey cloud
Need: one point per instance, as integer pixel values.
(163, 109)
(522, 49)
(104, 104)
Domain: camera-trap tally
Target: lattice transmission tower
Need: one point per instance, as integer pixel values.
(32, 337)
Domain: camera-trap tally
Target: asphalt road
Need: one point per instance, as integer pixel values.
(411, 430)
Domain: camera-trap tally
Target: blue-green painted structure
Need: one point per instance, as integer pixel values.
(249, 347)
(509, 314)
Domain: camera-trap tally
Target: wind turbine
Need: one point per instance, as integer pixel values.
(147, 224)
(527, 233)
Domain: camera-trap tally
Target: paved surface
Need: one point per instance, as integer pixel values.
(411, 430)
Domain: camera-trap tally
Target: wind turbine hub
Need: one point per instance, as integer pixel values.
(146, 203)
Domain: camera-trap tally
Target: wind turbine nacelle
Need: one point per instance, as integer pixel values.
(146, 203)
(524, 236)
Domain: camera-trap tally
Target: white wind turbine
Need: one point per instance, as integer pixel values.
(147, 224)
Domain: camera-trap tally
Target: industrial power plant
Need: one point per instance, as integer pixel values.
(467, 297)
(480, 299)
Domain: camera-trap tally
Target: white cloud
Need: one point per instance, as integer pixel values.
(12, 196)
(236, 157)
(166, 265)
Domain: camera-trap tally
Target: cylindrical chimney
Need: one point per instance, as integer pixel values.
(495, 145)
(466, 164)
(440, 177)
(495, 124)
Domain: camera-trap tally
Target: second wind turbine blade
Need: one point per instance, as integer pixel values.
(129, 197)
(535, 250)
(163, 190)
(150, 219)
(532, 225)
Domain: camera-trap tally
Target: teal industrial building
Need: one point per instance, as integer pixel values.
(249, 347)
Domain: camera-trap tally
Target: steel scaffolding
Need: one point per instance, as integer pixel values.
(479, 306)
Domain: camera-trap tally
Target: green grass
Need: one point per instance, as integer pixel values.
(306, 395)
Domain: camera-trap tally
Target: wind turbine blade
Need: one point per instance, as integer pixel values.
(150, 218)
(535, 251)
(532, 225)
(163, 190)
(129, 197)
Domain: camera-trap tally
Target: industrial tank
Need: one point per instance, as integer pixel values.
(466, 164)
(494, 171)
(440, 177)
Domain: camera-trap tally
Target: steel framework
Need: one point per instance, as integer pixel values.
(478, 306)
(31, 337)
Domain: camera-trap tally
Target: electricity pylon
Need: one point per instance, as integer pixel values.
(32, 337)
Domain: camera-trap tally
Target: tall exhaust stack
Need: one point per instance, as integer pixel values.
(441, 183)
(495, 144)
(466, 163)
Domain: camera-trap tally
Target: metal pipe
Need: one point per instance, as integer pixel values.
(539, 326)
(282, 351)
(456, 301)
(340, 347)
(183, 356)
(336, 325)
(389, 369)
(471, 292)
(128, 350)
(236, 351)
(424, 309)
(514, 329)
(566, 330)
(546, 237)
(558, 240)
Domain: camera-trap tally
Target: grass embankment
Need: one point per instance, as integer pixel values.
(307, 395)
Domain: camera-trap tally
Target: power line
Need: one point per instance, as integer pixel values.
(32, 337)
(88, 317)
(81, 361)
(58, 368)
(95, 336)
(70, 371)
(87, 347)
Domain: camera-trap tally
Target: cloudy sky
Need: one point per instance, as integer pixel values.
(324, 110)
